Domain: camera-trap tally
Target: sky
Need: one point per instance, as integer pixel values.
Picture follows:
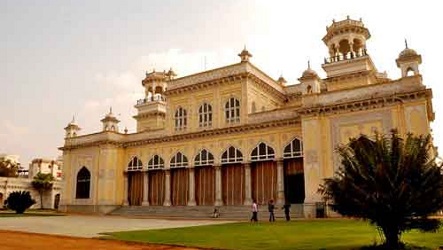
(60, 59)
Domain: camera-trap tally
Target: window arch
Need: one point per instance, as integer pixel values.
(179, 161)
(204, 158)
(181, 119)
(205, 115)
(262, 152)
(232, 110)
(294, 149)
(156, 162)
(83, 184)
(232, 155)
(135, 164)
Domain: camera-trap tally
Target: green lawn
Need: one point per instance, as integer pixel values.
(301, 234)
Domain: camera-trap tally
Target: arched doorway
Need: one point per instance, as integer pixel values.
(263, 174)
(294, 179)
(56, 201)
(156, 176)
(135, 182)
(179, 180)
(204, 178)
(233, 177)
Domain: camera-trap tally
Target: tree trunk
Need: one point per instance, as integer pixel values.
(392, 238)
(41, 199)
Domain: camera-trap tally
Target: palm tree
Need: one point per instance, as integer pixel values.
(42, 183)
(392, 182)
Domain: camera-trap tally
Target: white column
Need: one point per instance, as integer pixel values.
(145, 201)
(125, 194)
(248, 190)
(280, 186)
(167, 201)
(191, 200)
(218, 186)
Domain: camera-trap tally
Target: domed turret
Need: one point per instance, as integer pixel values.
(310, 81)
(282, 80)
(110, 122)
(72, 129)
(408, 61)
(245, 55)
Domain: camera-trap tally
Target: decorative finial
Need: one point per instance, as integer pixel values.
(361, 19)
(347, 17)
(126, 130)
(406, 43)
(110, 110)
(73, 119)
(309, 64)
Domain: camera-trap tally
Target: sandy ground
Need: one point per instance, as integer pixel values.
(92, 226)
(31, 241)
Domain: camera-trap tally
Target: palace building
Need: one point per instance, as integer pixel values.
(231, 135)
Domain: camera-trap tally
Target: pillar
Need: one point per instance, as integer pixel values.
(248, 190)
(145, 201)
(191, 200)
(218, 186)
(167, 201)
(280, 183)
(125, 195)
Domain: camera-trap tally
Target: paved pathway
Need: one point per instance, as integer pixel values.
(92, 226)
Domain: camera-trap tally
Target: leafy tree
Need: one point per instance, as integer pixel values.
(8, 168)
(42, 183)
(392, 182)
(19, 201)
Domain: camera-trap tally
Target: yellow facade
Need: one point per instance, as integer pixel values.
(240, 106)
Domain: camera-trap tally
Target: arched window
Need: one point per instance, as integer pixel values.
(232, 110)
(135, 164)
(179, 161)
(156, 162)
(204, 158)
(262, 152)
(232, 155)
(293, 149)
(181, 119)
(205, 115)
(83, 184)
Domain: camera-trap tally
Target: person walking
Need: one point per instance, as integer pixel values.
(271, 207)
(287, 210)
(254, 217)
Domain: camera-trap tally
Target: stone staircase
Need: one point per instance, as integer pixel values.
(242, 213)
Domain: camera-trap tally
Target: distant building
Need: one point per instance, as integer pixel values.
(8, 185)
(46, 166)
(230, 135)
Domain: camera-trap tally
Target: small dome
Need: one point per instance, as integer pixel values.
(309, 73)
(407, 52)
(282, 80)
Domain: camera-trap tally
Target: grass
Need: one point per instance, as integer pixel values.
(338, 234)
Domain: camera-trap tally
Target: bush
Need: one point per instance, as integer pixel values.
(19, 201)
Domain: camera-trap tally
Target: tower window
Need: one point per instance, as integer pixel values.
(181, 119)
(232, 110)
(205, 115)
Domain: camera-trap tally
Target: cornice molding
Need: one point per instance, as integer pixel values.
(189, 136)
(366, 104)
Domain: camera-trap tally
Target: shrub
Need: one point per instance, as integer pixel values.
(19, 201)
